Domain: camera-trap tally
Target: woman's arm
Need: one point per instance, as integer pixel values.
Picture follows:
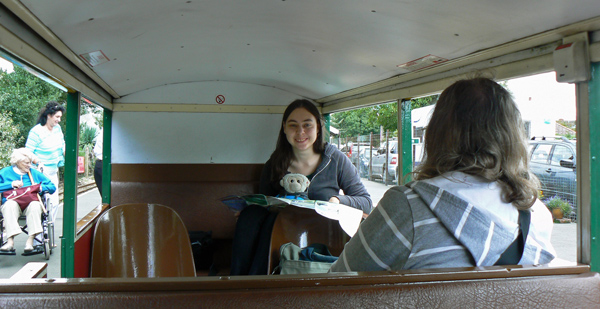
(5, 180)
(47, 185)
(61, 156)
(355, 193)
(384, 240)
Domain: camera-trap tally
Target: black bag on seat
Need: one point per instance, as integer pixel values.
(203, 248)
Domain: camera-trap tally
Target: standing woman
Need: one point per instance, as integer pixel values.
(47, 143)
(301, 148)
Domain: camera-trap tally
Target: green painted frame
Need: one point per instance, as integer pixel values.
(70, 185)
(106, 156)
(594, 127)
(407, 158)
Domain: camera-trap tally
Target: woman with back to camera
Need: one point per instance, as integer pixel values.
(301, 148)
(47, 143)
(472, 197)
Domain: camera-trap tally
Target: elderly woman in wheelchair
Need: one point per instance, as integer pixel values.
(18, 175)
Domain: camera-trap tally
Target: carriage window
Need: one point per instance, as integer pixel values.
(540, 153)
(561, 153)
(548, 109)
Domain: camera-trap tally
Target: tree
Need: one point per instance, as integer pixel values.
(386, 116)
(424, 101)
(354, 122)
(23, 95)
(368, 120)
(9, 138)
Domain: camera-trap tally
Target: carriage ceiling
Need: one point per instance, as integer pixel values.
(311, 48)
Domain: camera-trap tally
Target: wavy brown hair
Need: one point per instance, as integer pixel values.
(282, 157)
(476, 128)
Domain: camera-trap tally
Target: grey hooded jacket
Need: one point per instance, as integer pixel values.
(335, 172)
(423, 226)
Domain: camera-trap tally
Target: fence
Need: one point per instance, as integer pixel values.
(368, 154)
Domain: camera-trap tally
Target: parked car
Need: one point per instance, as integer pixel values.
(380, 165)
(352, 152)
(553, 161)
(364, 157)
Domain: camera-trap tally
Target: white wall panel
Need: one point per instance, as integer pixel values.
(206, 93)
(193, 137)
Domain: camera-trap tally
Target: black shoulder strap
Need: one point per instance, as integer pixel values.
(512, 255)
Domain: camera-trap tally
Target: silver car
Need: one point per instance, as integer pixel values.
(380, 166)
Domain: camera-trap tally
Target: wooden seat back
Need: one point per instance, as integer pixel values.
(141, 240)
(536, 286)
(304, 227)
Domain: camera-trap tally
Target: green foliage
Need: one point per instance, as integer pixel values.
(354, 122)
(86, 135)
(385, 115)
(24, 95)
(9, 138)
(369, 119)
(568, 135)
(569, 124)
(424, 101)
(557, 202)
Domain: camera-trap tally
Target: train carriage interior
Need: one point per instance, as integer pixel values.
(193, 93)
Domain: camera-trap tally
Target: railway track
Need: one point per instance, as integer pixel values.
(80, 189)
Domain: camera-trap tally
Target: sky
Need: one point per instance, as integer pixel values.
(541, 96)
(537, 96)
(6, 65)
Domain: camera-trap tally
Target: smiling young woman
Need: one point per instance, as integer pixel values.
(301, 148)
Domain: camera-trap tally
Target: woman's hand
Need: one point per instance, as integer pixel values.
(17, 184)
(334, 199)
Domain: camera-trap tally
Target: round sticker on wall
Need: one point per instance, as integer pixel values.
(220, 99)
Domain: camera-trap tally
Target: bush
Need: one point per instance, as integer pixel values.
(557, 202)
(9, 138)
(86, 135)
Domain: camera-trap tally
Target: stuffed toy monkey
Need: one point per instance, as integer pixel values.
(295, 186)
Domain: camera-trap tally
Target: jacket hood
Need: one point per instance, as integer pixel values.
(484, 235)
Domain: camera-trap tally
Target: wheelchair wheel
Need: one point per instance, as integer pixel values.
(46, 249)
(47, 242)
(51, 235)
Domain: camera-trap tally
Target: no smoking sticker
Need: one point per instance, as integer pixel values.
(220, 99)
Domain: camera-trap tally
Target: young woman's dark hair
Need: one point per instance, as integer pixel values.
(476, 128)
(283, 154)
(50, 109)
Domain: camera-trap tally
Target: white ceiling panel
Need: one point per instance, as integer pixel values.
(311, 48)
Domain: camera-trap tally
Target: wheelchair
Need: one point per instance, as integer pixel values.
(43, 242)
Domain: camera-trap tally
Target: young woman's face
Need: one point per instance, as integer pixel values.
(53, 120)
(301, 129)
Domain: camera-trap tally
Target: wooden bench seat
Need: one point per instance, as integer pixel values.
(568, 286)
(194, 192)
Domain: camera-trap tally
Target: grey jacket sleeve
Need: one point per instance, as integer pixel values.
(355, 193)
(384, 240)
